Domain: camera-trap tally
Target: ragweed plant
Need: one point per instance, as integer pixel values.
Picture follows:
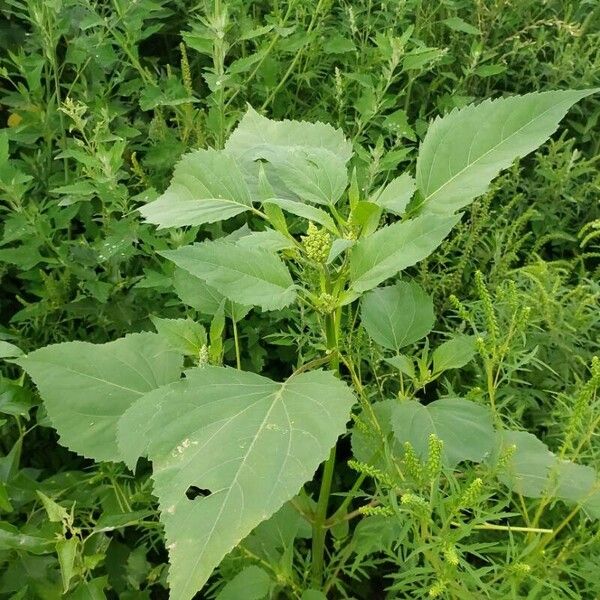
(230, 448)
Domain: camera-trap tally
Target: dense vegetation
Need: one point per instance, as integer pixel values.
(463, 390)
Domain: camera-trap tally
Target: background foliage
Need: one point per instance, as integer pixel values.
(98, 100)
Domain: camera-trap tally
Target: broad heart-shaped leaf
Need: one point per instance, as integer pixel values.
(250, 276)
(463, 151)
(465, 428)
(247, 440)
(396, 195)
(396, 247)
(87, 387)
(207, 186)
(398, 315)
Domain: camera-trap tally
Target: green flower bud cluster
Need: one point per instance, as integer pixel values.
(413, 467)
(437, 589)
(583, 401)
(352, 233)
(186, 74)
(203, 356)
(450, 554)
(371, 471)
(471, 494)
(520, 568)
(505, 456)
(362, 427)
(488, 308)
(326, 303)
(416, 503)
(376, 511)
(317, 243)
(434, 460)
(460, 308)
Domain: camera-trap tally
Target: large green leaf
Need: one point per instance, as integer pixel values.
(534, 471)
(249, 276)
(252, 583)
(395, 196)
(398, 315)
(576, 483)
(247, 441)
(8, 350)
(207, 186)
(465, 428)
(183, 335)
(529, 466)
(392, 249)
(304, 160)
(87, 387)
(199, 295)
(463, 151)
(269, 239)
(317, 176)
(257, 137)
(454, 353)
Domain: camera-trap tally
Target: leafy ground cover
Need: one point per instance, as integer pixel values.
(290, 308)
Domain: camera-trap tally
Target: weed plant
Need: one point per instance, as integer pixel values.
(99, 101)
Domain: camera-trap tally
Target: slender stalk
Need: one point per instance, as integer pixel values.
(292, 65)
(493, 527)
(236, 339)
(219, 67)
(319, 528)
(319, 524)
(340, 513)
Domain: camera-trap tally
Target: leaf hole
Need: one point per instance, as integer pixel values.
(194, 492)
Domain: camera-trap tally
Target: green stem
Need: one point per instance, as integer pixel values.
(238, 360)
(319, 524)
(292, 65)
(340, 513)
(319, 528)
(219, 67)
